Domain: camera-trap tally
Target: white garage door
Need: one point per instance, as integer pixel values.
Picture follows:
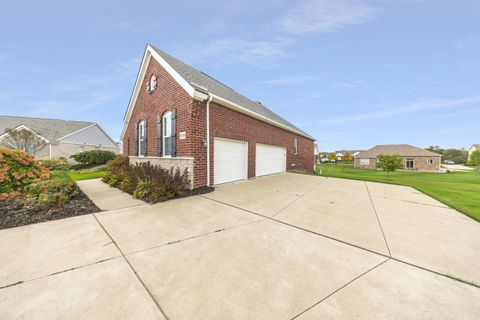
(230, 160)
(270, 159)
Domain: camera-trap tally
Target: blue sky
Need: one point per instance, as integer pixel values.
(351, 73)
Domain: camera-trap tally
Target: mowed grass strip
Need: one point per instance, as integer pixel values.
(459, 190)
(76, 176)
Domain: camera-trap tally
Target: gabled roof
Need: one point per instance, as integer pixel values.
(59, 130)
(50, 129)
(404, 150)
(194, 80)
(477, 146)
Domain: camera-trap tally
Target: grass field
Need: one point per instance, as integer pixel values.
(93, 173)
(459, 190)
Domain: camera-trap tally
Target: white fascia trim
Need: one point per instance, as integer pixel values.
(255, 115)
(24, 127)
(150, 52)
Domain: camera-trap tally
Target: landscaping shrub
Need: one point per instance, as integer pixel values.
(55, 163)
(49, 194)
(146, 181)
(93, 157)
(17, 170)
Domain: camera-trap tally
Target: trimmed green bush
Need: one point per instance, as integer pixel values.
(93, 157)
(146, 181)
(54, 163)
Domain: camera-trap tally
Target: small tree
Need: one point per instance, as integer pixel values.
(475, 158)
(24, 140)
(331, 156)
(348, 157)
(390, 162)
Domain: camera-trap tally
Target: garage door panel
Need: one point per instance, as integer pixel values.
(270, 159)
(230, 160)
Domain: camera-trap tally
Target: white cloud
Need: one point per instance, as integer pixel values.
(292, 79)
(232, 50)
(320, 16)
(468, 42)
(346, 84)
(416, 106)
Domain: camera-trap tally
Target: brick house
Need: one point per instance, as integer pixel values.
(181, 117)
(414, 159)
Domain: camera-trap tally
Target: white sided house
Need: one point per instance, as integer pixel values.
(63, 138)
(472, 149)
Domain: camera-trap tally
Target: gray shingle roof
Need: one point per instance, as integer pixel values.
(51, 129)
(213, 86)
(404, 150)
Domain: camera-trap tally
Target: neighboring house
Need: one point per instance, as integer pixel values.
(180, 117)
(414, 158)
(472, 149)
(340, 154)
(62, 137)
(315, 152)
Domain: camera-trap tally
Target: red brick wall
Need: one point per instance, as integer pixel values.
(168, 95)
(224, 123)
(230, 124)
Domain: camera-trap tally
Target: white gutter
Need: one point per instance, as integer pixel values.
(208, 139)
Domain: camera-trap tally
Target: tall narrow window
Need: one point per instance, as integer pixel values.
(142, 137)
(167, 134)
(295, 146)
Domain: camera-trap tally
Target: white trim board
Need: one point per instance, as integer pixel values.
(22, 127)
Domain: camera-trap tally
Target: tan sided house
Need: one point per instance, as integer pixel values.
(181, 117)
(62, 137)
(414, 159)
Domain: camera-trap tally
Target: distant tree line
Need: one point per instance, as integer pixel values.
(455, 155)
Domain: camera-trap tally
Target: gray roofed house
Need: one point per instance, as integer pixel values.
(416, 159)
(63, 137)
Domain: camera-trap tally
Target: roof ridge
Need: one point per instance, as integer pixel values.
(54, 119)
(216, 87)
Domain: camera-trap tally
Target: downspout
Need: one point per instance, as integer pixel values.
(208, 139)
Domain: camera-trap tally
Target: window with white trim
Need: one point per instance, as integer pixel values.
(142, 138)
(430, 161)
(295, 146)
(167, 134)
(364, 162)
(152, 83)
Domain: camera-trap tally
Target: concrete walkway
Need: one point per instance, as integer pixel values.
(106, 197)
(280, 247)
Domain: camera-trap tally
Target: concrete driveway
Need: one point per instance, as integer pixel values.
(280, 247)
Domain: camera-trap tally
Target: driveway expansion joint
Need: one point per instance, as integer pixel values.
(340, 288)
(59, 272)
(132, 268)
(378, 219)
(299, 197)
(346, 243)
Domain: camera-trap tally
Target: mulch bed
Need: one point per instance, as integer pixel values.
(13, 214)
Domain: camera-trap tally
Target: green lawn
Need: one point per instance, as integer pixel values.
(87, 174)
(459, 190)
